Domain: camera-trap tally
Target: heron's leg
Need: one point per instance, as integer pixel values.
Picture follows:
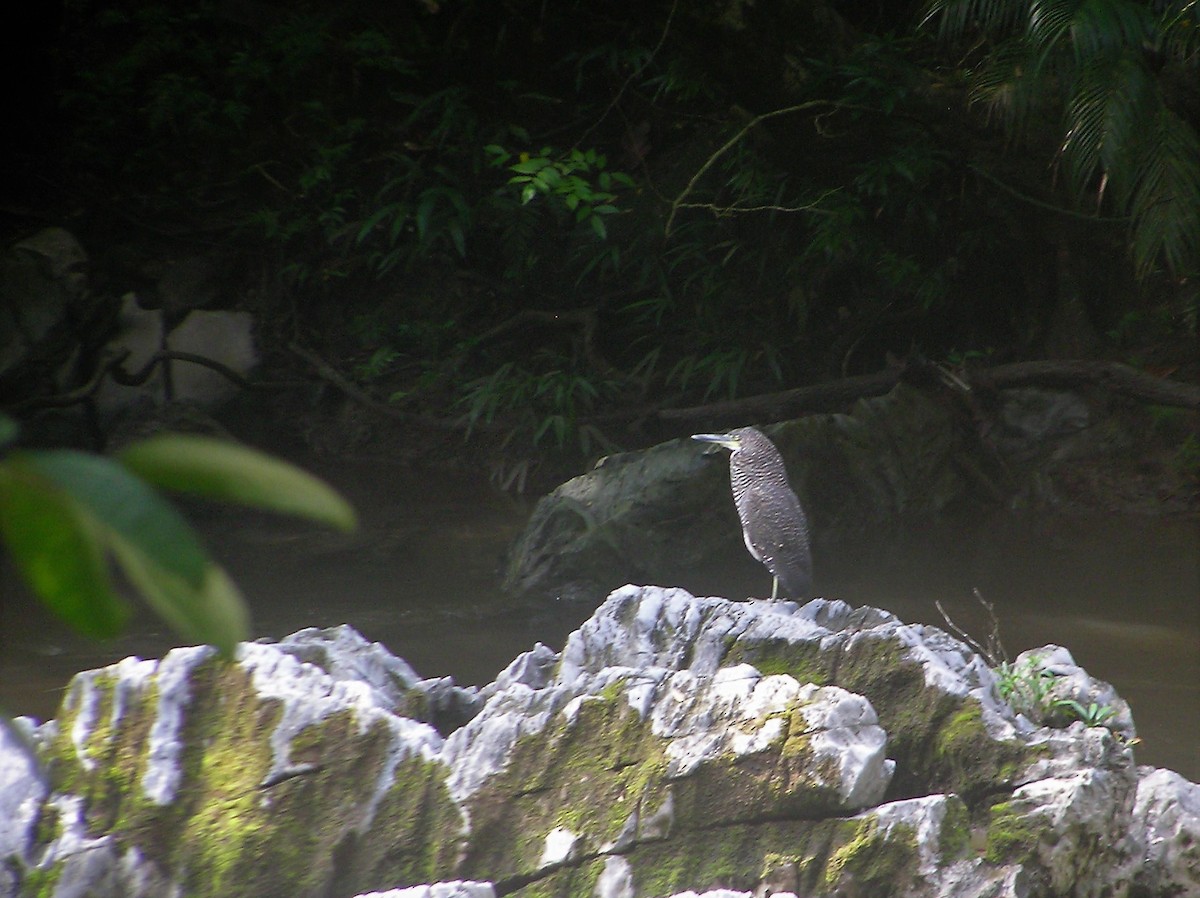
(774, 587)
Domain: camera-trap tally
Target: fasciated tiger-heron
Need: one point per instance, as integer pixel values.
(773, 523)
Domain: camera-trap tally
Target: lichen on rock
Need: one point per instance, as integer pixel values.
(676, 745)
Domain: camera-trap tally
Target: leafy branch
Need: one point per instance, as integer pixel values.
(67, 517)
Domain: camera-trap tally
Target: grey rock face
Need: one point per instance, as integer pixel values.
(657, 516)
(22, 791)
(223, 337)
(1163, 844)
(676, 745)
(455, 889)
(268, 776)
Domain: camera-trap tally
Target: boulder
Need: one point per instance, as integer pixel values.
(1163, 845)
(675, 746)
(45, 309)
(61, 345)
(912, 456)
(268, 776)
(655, 515)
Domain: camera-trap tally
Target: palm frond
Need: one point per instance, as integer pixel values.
(1086, 59)
(1049, 21)
(1179, 31)
(1166, 200)
(1109, 108)
(1002, 85)
(1109, 28)
(961, 18)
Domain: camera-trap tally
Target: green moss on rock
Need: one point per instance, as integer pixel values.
(106, 767)
(587, 774)
(228, 828)
(565, 882)
(304, 834)
(870, 859)
(731, 857)
(802, 660)
(40, 883)
(808, 857)
(954, 838)
(967, 757)
(1012, 835)
(941, 738)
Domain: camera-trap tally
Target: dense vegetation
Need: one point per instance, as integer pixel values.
(536, 217)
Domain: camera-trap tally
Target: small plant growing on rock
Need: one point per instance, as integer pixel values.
(1028, 686)
(1025, 686)
(1093, 714)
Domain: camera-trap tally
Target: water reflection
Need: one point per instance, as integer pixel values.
(1121, 593)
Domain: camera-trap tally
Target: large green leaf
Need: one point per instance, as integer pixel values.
(212, 612)
(124, 504)
(221, 470)
(59, 550)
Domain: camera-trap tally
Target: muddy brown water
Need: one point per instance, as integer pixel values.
(421, 576)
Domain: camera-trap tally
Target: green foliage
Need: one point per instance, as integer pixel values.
(790, 209)
(216, 469)
(1029, 689)
(343, 161)
(1026, 685)
(1092, 714)
(578, 179)
(959, 358)
(65, 514)
(1122, 140)
(547, 403)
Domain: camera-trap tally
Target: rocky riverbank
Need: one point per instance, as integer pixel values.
(675, 743)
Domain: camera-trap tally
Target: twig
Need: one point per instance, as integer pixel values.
(327, 372)
(624, 87)
(721, 211)
(994, 653)
(113, 367)
(163, 355)
(1042, 204)
(730, 144)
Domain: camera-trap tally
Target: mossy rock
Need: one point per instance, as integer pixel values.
(586, 773)
(217, 817)
(940, 737)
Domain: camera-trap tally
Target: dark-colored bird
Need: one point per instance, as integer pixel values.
(773, 523)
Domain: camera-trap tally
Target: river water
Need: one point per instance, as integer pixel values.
(421, 576)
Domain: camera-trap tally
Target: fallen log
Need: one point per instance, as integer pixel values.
(1115, 377)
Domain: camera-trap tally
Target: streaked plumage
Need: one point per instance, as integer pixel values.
(773, 523)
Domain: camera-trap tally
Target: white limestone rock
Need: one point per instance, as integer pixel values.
(1070, 689)
(738, 713)
(1163, 842)
(219, 752)
(454, 889)
(22, 790)
(668, 728)
(345, 655)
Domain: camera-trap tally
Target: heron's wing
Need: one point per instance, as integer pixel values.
(776, 533)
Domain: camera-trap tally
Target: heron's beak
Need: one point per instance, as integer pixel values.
(721, 439)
